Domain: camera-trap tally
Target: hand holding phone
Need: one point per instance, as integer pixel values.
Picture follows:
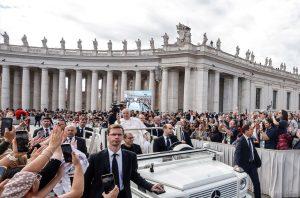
(22, 140)
(6, 123)
(108, 182)
(67, 152)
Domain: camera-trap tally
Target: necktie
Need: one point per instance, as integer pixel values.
(47, 132)
(168, 143)
(182, 136)
(251, 150)
(115, 169)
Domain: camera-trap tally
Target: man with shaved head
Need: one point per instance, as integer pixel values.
(78, 142)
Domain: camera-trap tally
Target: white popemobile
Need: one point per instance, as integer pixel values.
(191, 173)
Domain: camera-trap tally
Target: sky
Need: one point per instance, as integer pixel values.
(269, 28)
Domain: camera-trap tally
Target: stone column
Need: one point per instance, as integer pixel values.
(72, 82)
(152, 88)
(17, 89)
(44, 89)
(103, 92)
(186, 94)
(26, 88)
(123, 84)
(5, 87)
(36, 90)
(88, 91)
(62, 89)
(235, 92)
(78, 91)
(201, 89)
(109, 87)
(217, 92)
(55, 90)
(173, 78)
(247, 97)
(94, 91)
(138, 79)
(164, 90)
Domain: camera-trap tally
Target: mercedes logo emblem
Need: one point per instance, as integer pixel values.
(216, 194)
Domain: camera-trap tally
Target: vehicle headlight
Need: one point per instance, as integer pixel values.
(243, 183)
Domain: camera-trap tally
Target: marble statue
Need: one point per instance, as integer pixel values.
(184, 34)
(252, 57)
(218, 44)
(138, 44)
(5, 38)
(204, 39)
(24, 40)
(211, 44)
(124, 45)
(95, 44)
(152, 44)
(296, 70)
(109, 45)
(281, 66)
(248, 54)
(166, 39)
(62, 44)
(79, 44)
(266, 61)
(270, 62)
(284, 67)
(237, 51)
(44, 42)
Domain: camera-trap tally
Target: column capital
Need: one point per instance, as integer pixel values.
(25, 68)
(44, 69)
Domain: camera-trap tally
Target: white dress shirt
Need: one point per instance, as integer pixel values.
(120, 165)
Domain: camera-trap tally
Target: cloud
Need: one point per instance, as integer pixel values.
(269, 28)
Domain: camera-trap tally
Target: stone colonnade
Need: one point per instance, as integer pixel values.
(50, 88)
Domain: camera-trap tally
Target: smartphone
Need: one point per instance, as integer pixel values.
(6, 123)
(22, 140)
(67, 152)
(108, 182)
(2, 171)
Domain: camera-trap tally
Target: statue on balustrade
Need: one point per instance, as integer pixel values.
(24, 40)
(79, 44)
(297, 70)
(237, 51)
(5, 38)
(44, 42)
(218, 44)
(252, 57)
(204, 39)
(266, 61)
(166, 39)
(294, 70)
(281, 66)
(248, 54)
(109, 45)
(284, 67)
(211, 44)
(270, 62)
(95, 44)
(152, 44)
(124, 45)
(138, 44)
(184, 34)
(62, 44)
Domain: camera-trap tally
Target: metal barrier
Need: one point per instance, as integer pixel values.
(280, 171)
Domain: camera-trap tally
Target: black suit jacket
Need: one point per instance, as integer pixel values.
(242, 154)
(80, 133)
(159, 144)
(99, 165)
(157, 132)
(187, 138)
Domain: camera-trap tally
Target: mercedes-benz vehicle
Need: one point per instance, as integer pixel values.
(190, 173)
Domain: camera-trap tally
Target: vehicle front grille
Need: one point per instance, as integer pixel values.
(226, 191)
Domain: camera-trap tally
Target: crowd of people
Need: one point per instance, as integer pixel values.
(43, 171)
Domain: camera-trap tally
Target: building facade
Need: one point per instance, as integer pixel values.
(181, 76)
